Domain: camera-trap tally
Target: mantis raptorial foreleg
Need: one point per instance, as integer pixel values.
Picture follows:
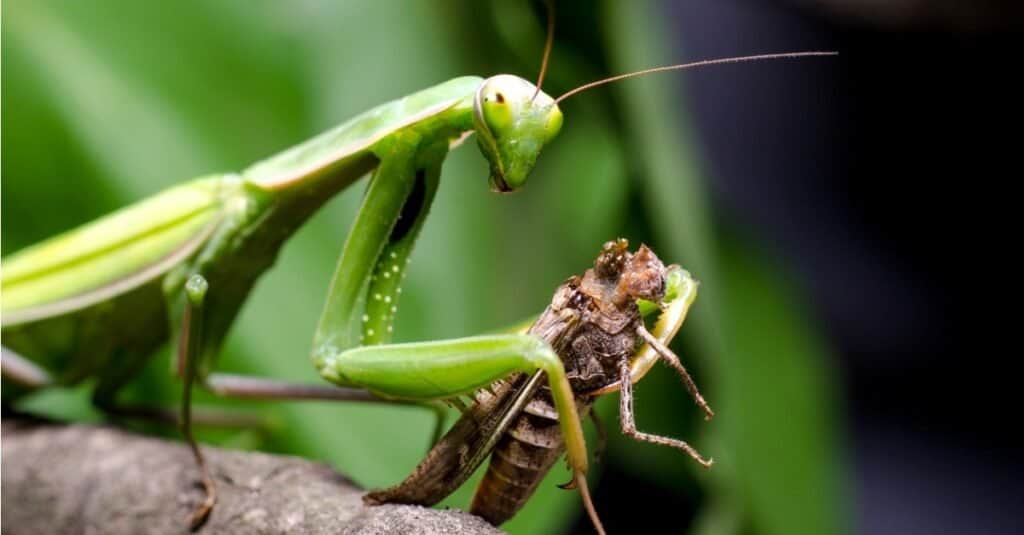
(445, 369)
(374, 258)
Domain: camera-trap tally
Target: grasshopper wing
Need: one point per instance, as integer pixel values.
(461, 450)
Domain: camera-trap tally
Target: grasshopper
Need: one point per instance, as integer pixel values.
(96, 302)
(595, 325)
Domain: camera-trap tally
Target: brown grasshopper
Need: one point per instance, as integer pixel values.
(595, 324)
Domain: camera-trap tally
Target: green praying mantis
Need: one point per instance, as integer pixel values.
(97, 301)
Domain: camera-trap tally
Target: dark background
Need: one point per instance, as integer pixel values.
(893, 197)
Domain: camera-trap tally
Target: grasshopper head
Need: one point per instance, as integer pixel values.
(639, 275)
(512, 127)
(644, 276)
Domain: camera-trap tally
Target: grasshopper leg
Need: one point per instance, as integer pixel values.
(669, 357)
(602, 436)
(628, 421)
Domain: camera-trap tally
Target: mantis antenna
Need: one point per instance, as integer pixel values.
(682, 66)
(550, 5)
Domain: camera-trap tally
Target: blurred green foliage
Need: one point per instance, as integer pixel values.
(107, 102)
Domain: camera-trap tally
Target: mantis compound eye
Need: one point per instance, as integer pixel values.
(554, 124)
(496, 112)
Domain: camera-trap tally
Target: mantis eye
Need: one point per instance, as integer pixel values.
(496, 112)
(553, 125)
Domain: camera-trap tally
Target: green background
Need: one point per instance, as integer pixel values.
(105, 103)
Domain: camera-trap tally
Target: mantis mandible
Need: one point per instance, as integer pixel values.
(97, 301)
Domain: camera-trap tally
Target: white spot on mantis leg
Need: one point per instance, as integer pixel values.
(366, 318)
(394, 268)
(390, 329)
(328, 370)
(376, 297)
(394, 309)
(387, 275)
(394, 254)
(387, 298)
(369, 332)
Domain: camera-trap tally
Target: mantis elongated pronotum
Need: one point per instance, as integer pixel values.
(95, 302)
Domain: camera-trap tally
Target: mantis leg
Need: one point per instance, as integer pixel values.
(189, 348)
(250, 387)
(22, 371)
(628, 421)
(445, 369)
(363, 297)
(242, 386)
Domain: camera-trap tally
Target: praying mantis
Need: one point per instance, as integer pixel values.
(96, 302)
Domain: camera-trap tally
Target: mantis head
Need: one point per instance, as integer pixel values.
(513, 121)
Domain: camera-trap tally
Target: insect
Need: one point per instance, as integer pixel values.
(97, 301)
(595, 325)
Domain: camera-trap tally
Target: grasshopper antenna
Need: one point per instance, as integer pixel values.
(683, 66)
(550, 5)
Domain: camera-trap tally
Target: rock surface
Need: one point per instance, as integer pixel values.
(87, 479)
